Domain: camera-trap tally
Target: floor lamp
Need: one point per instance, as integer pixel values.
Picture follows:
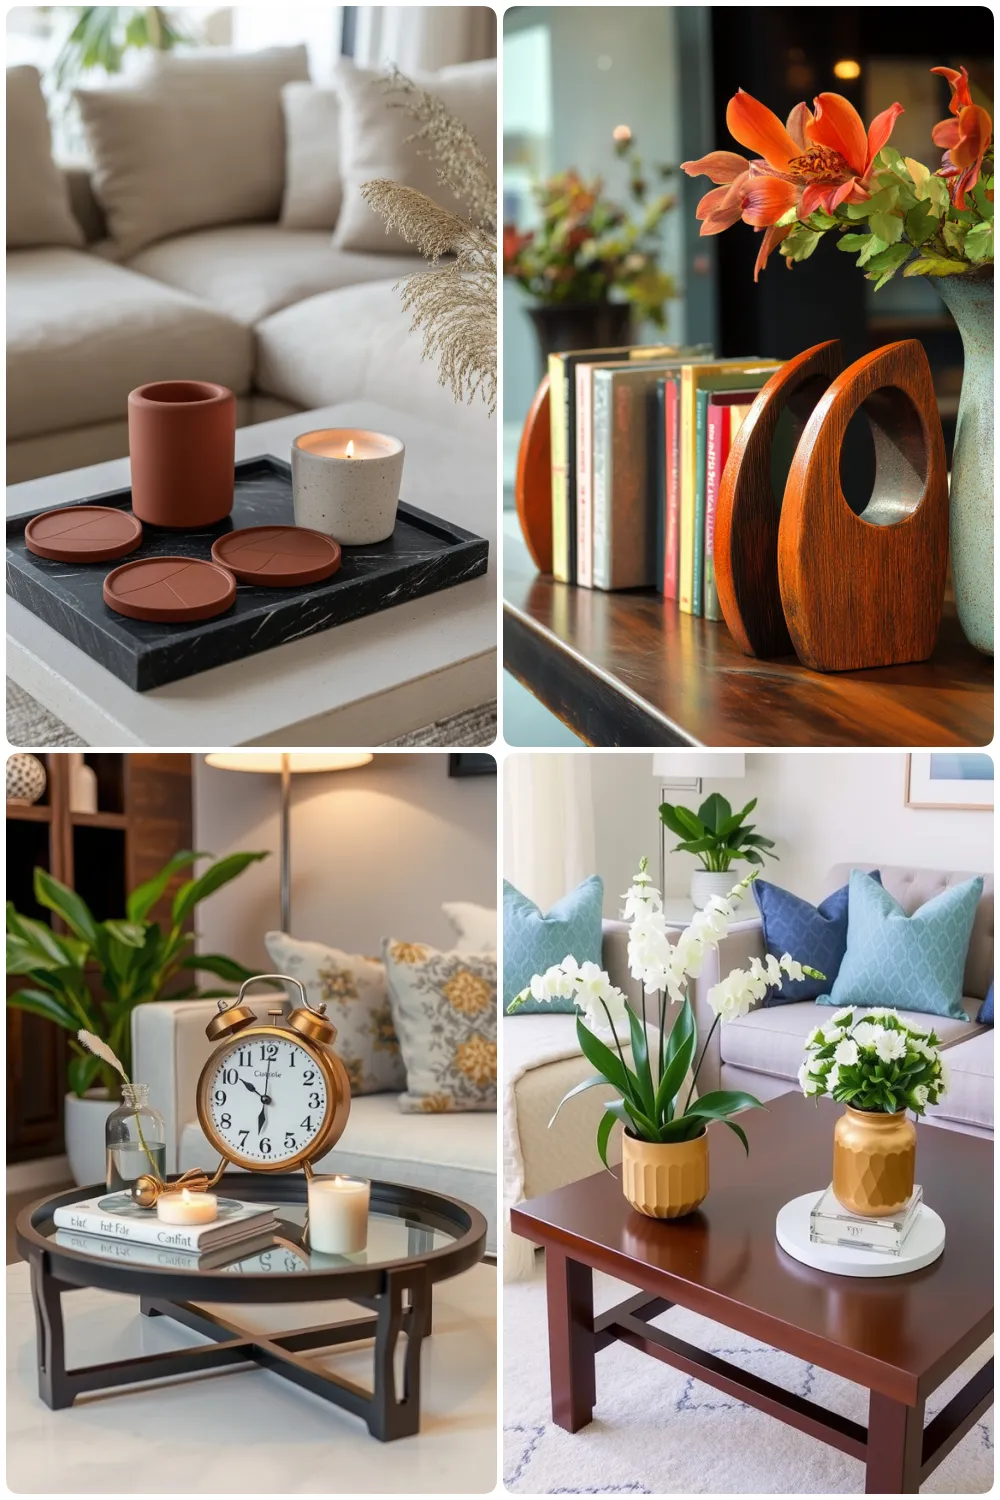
(281, 763)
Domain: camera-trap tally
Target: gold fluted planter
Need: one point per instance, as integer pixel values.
(665, 1180)
(874, 1160)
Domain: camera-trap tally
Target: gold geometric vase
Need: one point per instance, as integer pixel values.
(874, 1160)
(665, 1180)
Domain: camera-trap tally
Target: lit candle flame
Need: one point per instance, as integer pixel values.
(186, 1196)
(350, 449)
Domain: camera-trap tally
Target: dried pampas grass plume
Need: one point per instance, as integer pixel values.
(455, 304)
(102, 1050)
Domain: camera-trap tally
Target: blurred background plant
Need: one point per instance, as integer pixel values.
(101, 35)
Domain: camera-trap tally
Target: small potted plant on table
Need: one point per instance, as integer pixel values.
(719, 837)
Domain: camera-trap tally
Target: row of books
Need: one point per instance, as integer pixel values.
(640, 437)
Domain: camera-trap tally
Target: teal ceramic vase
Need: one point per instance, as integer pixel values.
(969, 299)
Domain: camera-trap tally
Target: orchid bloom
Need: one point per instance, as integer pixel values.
(965, 139)
(819, 158)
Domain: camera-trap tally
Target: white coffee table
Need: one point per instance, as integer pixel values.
(359, 684)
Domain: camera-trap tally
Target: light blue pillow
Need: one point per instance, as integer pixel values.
(907, 963)
(533, 941)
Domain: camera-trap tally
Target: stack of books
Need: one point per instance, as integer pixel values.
(116, 1229)
(640, 437)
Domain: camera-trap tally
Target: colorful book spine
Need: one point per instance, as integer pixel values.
(698, 539)
(557, 417)
(685, 530)
(584, 489)
(601, 476)
(716, 453)
(672, 442)
(659, 473)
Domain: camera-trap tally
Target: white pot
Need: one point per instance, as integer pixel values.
(85, 1120)
(708, 883)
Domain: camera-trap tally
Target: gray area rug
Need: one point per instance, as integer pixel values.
(30, 726)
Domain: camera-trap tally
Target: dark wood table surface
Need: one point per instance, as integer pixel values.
(631, 669)
(898, 1337)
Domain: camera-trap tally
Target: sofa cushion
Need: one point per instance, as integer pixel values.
(773, 1041)
(815, 935)
(444, 1009)
(199, 139)
(534, 941)
(475, 926)
(38, 206)
(450, 1154)
(82, 333)
(969, 1100)
(252, 270)
(985, 1016)
(313, 189)
(356, 344)
(377, 141)
(891, 955)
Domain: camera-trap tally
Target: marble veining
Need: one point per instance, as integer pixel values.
(423, 555)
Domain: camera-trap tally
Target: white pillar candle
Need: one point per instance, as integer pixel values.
(338, 1214)
(187, 1208)
(345, 483)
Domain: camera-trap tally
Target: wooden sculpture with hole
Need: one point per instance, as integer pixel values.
(866, 590)
(746, 521)
(533, 480)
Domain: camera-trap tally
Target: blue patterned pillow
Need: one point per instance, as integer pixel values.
(533, 942)
(906, 963)
(985, 1016)
(815, 935)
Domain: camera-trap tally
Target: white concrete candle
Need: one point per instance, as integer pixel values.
(338, 1214)
(187, 1208)
(345, 483)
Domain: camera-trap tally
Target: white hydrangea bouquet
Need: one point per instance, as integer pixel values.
(649, 1104)
(871, 1060)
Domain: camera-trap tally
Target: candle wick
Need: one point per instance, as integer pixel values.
(350, 449)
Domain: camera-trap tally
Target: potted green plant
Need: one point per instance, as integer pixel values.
(822, 173)
(591, 262)
(93, 976)
(664, 1141)
(719, 837)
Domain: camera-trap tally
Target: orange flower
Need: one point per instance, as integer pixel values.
(819, 158)
(964, 140)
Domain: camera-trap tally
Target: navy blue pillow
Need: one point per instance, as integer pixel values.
(985, 1016)
(815, 935)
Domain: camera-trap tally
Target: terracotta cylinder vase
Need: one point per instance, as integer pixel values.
(664, 1180)
(182, 444)
(874, 1161)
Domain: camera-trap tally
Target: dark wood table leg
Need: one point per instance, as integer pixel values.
(572, 1374)
(404, 1307)
(895, 1446)
(46, 1294)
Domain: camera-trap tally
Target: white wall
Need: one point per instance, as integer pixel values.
(822, 809)
(375, 851)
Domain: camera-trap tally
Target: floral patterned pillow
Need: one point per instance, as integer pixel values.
(357, 1002)
(444, 1008)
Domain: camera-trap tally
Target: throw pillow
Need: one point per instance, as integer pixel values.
(985, 1016)
(533, 941)
(199, 140)
(38, 211)
(356, 995)
(906, 963)
(475, 926)
(312, 157)
(375, 141)
(815, 935)
(444, 1008)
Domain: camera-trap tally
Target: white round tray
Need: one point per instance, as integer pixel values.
(923, 1244)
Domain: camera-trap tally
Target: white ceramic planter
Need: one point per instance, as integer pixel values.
(351, 497)
(85, 1121)
(708, 883)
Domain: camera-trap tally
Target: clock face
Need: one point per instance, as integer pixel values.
(267, 1099)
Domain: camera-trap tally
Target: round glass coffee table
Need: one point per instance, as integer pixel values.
(415, 1238)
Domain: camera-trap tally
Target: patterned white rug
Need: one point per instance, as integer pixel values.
(657, 1431)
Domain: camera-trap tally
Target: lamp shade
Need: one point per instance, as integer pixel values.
(274, 760)
(708, 765)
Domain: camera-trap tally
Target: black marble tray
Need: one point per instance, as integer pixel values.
(422, 556)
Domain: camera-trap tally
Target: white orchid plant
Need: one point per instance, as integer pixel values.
(873, 1061)
(649, 1104)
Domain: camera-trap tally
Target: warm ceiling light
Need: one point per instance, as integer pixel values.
(622, 133)
(847, 68)
(274, 760)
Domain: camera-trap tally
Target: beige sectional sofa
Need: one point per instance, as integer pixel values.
(284, 316)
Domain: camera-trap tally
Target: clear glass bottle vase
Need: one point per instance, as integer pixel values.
(135, 1138)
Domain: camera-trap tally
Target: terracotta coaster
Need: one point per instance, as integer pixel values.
(277, 556)
(169, 589)
(83, 533)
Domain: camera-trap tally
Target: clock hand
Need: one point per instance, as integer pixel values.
(261, 1118)
(251, 1086)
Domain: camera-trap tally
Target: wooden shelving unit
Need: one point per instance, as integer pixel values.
(143, 817)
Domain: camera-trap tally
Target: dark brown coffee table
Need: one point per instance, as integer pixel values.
(899, 1337)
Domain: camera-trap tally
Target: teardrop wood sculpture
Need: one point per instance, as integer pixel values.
(747, 514)
(533, 480)
(866, 590)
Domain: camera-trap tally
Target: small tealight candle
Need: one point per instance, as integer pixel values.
(338, 1214)
(187, 1208)
(345, 483)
